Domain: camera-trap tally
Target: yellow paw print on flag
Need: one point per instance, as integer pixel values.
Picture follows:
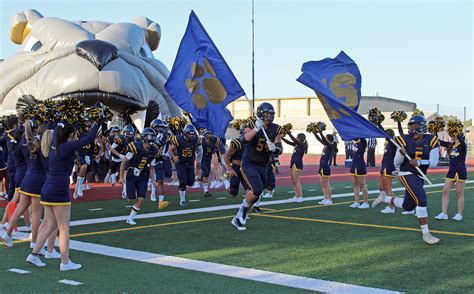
(204, 85)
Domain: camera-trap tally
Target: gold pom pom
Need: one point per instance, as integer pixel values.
(286, 129)
(418, 112)
(398, 116)
(455, 127)
(375, 116)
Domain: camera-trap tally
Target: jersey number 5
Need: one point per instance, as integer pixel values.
(261, 144)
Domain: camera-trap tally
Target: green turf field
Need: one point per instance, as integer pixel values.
(335, 243)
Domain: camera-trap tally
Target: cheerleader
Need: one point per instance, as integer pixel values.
(386, 172)
(457, 173)
(55, 192)
(325, 165)
(359, 173)
(31, 186)
(3, 160)
(296, 164)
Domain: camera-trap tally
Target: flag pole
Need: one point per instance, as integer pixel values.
(253, 56)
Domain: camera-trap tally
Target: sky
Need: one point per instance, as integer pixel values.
(419, 51)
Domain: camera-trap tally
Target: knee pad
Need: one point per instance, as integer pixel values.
(421, 212)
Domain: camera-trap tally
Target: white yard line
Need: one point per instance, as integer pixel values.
(216, 208)
(225, 270)
(18, 271)
(70, 282)
(96, 209)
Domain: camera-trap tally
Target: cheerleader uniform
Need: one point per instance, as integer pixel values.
(358, 167)
(324, 161)
(56, 189)
(3, 151)
(19, 160)
(35, 176)
(388, 167)
(457, 160)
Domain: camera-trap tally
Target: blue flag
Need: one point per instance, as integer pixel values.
(201, 82)
(337, 84)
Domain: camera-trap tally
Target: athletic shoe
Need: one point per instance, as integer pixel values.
(7, 240)
(408, 212)
(183, 203)
(218, 184)
(131, 222)
(267, 195)
(213, 184)
(430, 239)
(236, 223)
(296, 199)
(364, 206)
(80, 192)
(327, 202)
(196, 185)
(322, 201)
(379, 199)
(175, 183)
(388, 210)
(153, 197)
(88, 187)
(76, 193)
(457, 217)
(207, 194)
(69, 266)
(163, 204)
(4, 226)
(441, 216)
(257, 209)
(355, 205)
(35, 260)
(52, 255)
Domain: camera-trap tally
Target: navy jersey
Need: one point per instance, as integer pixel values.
(160, 153)
(457, 153)
(210, 148)
(186, 150)
(239, 148)
(88, 149)
(141, 157)
(359, 147)
(419, 150)
(121, 143)
(256, 150)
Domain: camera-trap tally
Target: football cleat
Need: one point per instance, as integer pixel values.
(388, 210)
(131, 222)
(238, 225)
(207, 194)
(430, 239)
(183, 203)
(257, 209)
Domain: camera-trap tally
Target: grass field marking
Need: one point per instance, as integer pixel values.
(268, 209)
(215, 208)
(70, 282)
(225, 270)
(360, 224)
(95, 209)
(18, 271)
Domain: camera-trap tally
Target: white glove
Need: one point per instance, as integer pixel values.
(271, 146)
(88, 160)
(258, 124)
